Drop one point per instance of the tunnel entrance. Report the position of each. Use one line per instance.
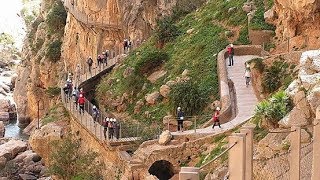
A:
(162, 169)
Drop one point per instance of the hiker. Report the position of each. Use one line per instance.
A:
(129, 45)
(110, 127)
(75, 95)
(81, 102)
(116, 129)
(99, 61)
(90, 63)
(81, 92)
(95, 114)
(125, 45)
(247, 74)
(105, 127)
(78, 73)
(230, 54)
(180, 116)
(69, 85)
(106, 56)
(66, 92)
(216, 119)
(70, 76)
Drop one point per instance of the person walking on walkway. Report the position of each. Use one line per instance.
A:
(247, 74)
(215, 118)
(125, 46)
(110, 127)
(180, 116)
(90, 63)
(81, 102)
(75, 95)
(105, 127)
(116, 129)
(99, 61)
(230, 54)
(95, 114)
(106, 56)
(66, 92)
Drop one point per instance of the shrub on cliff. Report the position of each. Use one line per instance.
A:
(68, 161)
(273, 109)
(56, 18)
(54, 51)
(190, 97)
(166, 30)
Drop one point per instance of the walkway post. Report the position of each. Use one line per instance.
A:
(237, 156)
(248, 130)
(316, 145)
(295, 148)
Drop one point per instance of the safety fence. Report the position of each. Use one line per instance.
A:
(240, 156)
(121, 132)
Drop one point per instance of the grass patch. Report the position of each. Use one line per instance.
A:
(56, 113)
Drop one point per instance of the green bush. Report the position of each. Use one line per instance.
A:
(276, 76)
(243, 36)
(150, 60)
(54, 51)
(258, 64)
(189, 97)
(184, 7)
(273, 109)
(258, 22)
(166, 30)
(56, 18)
(68, 161)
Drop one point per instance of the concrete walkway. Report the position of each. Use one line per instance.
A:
(246, 99)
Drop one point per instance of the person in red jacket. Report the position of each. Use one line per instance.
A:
(81, 102)
(216, 118)
(230, 54)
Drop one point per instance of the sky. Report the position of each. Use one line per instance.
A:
(10, 22)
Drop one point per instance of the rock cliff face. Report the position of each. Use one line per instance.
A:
(297, 20)
(37, 73)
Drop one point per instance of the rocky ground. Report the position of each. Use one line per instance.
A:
(17, 161)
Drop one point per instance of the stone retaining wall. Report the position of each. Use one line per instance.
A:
(225, 96)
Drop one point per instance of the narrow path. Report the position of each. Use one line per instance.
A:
(246, 99)
(84, 18)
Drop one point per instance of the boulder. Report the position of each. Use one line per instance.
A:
(171, 83)
(2, 129)
(127, 72)
(165, 90)
(156, 75)
(165, 137)
(11, 149)
(296, 117)
(228, 33)
(5, 105)
(232, 9)
(305, 137)
(269, 16)
(152, 98)
(4, 116)
(293, 88)
(185, 73)
(27, 177)
(190, 31)
(138, 106)
(3, 162)
(313, 98)
(248, 7)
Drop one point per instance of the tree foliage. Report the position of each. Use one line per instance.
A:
(54, 51)
(166, 30)
(189, 97)
(56, 18)
(70, 162)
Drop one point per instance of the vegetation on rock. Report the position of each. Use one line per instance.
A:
(70, 162)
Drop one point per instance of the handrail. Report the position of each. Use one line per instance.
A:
(217, 157)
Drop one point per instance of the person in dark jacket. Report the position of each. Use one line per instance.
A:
(230, 54)
(180, 115)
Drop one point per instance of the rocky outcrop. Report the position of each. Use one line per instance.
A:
(304, 91)
(2, 129)
(296, 19)
(41, 140)
(152, 98)
(16, 162)
(165, 137)
(7, 110)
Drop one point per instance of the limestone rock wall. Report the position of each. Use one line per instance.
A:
(36, 73)
(299, 20)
